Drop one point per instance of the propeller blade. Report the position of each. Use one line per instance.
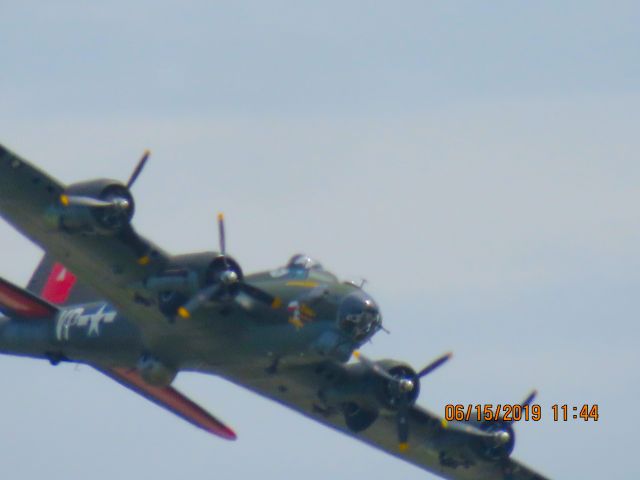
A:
(527, 401)
(374, 366)
(435, 364)
(257, 294)
(79, 201)
(402, 422)
(198, 300)
(223, 247)
(139, 167)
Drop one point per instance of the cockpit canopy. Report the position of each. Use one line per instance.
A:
(301, 261)
(303, 267)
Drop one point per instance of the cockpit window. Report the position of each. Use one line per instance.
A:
(303, 262)
(303, 267)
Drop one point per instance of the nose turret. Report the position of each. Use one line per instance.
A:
(359, 316)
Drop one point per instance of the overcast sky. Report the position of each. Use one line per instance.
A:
(477, 164)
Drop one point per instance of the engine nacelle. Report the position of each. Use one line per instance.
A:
(102, 207)
(187, 274)
(155, 372)
(361, 393)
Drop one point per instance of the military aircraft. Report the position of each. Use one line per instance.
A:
(105, 296)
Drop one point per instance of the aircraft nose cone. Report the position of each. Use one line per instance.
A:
(359, 316)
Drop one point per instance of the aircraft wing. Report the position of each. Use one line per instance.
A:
(110, 264)
(448, 453)
(170, 399)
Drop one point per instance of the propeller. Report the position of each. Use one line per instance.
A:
(374, 367)
(404, 389)
(435, 364)
(198, 300)
(221, 235)
(139, 167)
(229, 280)
(118, 202)
(527, 401)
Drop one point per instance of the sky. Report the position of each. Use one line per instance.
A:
(475, 163)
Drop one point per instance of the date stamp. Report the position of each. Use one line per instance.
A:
(513, 412)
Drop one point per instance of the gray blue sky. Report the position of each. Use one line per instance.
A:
(476, 163)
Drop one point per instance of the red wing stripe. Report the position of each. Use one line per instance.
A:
(16, 301)
(172, 400)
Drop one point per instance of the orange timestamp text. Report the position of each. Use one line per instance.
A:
(508, 412)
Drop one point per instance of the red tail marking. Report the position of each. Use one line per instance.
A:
(59, 285)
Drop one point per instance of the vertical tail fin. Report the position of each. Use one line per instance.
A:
(54, 283)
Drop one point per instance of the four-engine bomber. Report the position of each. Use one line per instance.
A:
(108, 297)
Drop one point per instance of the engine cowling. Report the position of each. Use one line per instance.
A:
(403, 389)
(104, 207)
